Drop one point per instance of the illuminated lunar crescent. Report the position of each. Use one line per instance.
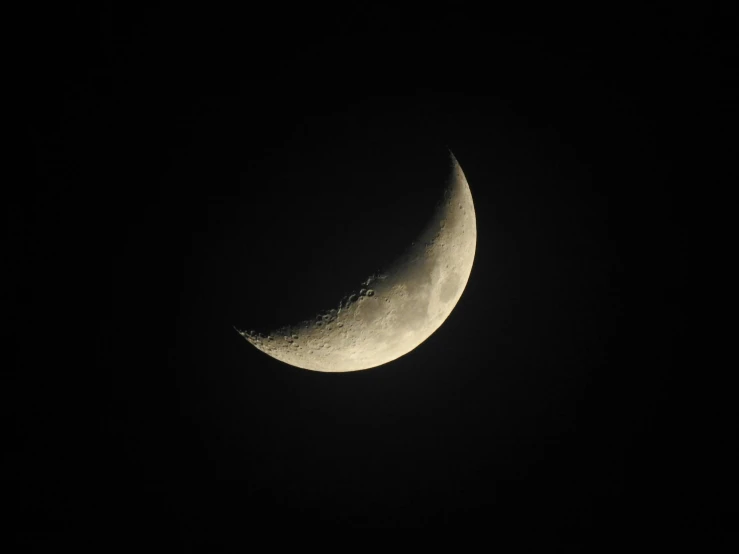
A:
(397, 309)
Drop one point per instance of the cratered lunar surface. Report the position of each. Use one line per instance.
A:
(396, 309)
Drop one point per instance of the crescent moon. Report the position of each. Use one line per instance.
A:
(395, 310)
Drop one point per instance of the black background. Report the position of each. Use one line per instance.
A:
(191, 170)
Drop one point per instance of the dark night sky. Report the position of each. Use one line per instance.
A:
(187, 172)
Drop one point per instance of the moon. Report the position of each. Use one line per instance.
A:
(395, 310)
